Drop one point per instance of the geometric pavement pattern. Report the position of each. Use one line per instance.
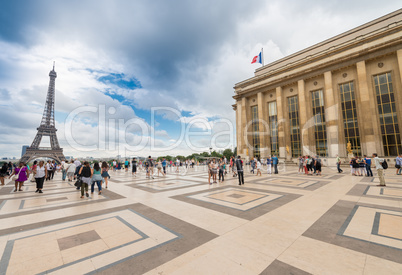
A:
(179, 224)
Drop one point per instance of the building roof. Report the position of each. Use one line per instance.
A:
(389, 23)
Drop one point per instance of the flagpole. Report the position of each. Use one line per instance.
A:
(262, 56)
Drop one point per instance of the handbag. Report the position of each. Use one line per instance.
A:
(15, 177)
(78, 183)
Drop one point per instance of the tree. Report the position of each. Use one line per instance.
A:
(215, 154)
(228, 153)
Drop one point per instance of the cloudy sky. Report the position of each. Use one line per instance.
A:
(148, 77)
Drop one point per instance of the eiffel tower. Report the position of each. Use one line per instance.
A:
(46, 128)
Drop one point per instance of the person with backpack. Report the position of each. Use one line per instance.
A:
(380, 165)
(86, 174)
(239, 168)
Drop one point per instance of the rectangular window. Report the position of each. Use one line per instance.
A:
(319, 123)
(387, 111)
(295, 141)
(255, 131)
(273, 127)
(349, 113)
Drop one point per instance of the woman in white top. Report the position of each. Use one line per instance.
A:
(40, 174)
(259, 167)
(159, 166)
(71, 170)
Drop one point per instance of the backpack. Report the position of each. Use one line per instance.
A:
(384, 164)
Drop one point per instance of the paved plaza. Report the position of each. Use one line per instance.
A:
(274, 224)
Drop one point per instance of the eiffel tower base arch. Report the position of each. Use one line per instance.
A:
(34, 153)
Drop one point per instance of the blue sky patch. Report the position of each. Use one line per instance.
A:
(121, 80)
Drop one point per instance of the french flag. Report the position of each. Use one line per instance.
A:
(257, 58)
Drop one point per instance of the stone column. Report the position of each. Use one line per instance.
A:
(399, 102)
(331, 116)
(262, 125)
(239, 129)
(304, 133)
(245, 130)
(281, 122)
(369, 127)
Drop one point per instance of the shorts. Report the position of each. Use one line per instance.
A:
(105, 174)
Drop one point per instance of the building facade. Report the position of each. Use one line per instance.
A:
(343, 91)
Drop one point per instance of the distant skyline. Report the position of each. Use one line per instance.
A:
(163, 66)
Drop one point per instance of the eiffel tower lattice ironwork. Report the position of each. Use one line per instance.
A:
(47, 128)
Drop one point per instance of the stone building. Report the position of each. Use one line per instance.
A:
(346, 89)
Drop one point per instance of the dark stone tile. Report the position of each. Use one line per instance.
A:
(281, 268)
(192, 237)
(328, 229)
(78, 239)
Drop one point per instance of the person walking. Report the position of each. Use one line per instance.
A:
(150, 167)
(78, 166)
(96, 178)
(71, 171)
(214, 167)
(40, 175)
(380, 170)
(105, 172)
(239, 168)
(367, 162)
(222, 168)
(3, 172)
(338, 164)
(10, 168)
(126, 163)
(275, 163)
(22, 175)
(134, 167)
(49, 168)
(54, 165)
(159, 167)
(35, 164)
(164, 166)
(398, 163)
(269, 165)
(258, 165)
(252, 163)
(63, 170)
(86, 175)
(356, 166)
(362, 167)
(317, 164)
(301, 164)
(209, 167)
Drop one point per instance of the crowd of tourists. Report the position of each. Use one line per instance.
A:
(86, 174)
